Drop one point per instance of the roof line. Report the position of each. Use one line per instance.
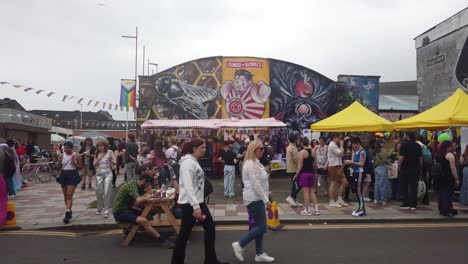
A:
(440, 23)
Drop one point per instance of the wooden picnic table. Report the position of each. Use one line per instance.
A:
(156, 203)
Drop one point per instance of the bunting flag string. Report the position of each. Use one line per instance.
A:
(127, 105)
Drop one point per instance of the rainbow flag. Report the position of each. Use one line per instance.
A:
(128, 93)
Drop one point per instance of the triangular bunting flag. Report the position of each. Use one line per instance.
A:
(28, 89)
(79, 101)
(17, 85)
(90, 101)
(64, 98)
(96, 104)
(50, 94)
(40, 91)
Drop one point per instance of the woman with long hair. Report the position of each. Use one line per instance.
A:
(192, 203)
(70, 162)
(103, 162)
(157, 159)
(255, 194)
(114, 167)
(87, 152)
(306, 168)
(446, 182)
(464, 187)
(381, 164)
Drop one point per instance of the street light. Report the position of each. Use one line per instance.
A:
(154, 64)
(136, 68)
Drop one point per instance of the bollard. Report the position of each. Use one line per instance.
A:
(11, 217)
(273, 221)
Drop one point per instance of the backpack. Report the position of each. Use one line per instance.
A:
(9, 167)
(427, 156)
(268, 155)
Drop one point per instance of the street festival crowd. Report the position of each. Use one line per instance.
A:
(375, 169)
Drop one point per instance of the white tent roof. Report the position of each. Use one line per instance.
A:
(212, 123)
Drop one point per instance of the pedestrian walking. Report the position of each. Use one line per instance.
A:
(307, 177)
(409, 165)
(357, 163)
(87, 152)
(191, 201)
(230, 159)
(69, 177)
(104, 159)
(335, 170)
(292, 157)
(381, 165)
(448, 178)
(255, 196)
(464, 187)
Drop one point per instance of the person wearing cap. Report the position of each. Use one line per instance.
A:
(381, 164)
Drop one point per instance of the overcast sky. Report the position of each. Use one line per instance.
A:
(75, 46)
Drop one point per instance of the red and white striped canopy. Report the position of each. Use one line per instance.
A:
(213, 123)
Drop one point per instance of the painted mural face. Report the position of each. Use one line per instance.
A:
(244, 98)
(300, 96)
(183, 99)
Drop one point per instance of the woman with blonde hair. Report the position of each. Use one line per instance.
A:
(103, 162)
(255, 194)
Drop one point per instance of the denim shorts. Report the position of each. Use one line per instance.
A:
(69, 178)
(126, 217)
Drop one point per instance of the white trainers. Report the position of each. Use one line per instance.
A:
(358, 213)
(98, 212)
(106, 214)
(238, 251)
(306, 212)
(367, 199)
(375, 201)
(316, 212)
(341, 202)
(291, 201)
(335, 204)
(264, 258)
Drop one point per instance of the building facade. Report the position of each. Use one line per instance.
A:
(442, 60)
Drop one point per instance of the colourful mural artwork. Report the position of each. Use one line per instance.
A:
(186, 91)
(249, 88)
(245, 90)
(461, 71)
(364, 89)
(299, 96)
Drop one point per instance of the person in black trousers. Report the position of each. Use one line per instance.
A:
(191, 201)
(409, 164)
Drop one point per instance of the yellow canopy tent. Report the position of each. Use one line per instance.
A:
(451, 112)
(354, 118)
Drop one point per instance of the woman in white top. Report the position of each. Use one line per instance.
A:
(103, 162)
(255, 196)
(69, 178)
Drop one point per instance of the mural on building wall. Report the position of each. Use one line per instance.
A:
(364, 89)
(300, 96)
(245, 90)
(461, 72)
(187, 91)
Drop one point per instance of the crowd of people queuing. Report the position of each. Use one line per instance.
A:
(375, 170)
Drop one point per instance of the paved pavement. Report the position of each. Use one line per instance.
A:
(41, 206)
(343, 244)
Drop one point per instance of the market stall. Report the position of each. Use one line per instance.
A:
(354, 118)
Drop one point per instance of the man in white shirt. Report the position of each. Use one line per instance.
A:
(335, 171)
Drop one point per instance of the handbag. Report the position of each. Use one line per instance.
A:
(421, 188)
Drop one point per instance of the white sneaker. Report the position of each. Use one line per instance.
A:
(335, 204)
(342, 203)
(98, 212)
(264, 258)
(298, 204)
(384, 203)
(367, 199)
(291, 201)
(238, 251)
(376, 202)
(358, 213)
(106, 214)
(316, 212)
(305, 212)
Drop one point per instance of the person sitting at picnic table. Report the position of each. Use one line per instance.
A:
(128, 197)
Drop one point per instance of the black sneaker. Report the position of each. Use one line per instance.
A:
(90, 187)
(83, 187)
(404, 207)
(67, 217)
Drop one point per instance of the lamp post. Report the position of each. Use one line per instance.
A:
(154, 64)
(136, 73)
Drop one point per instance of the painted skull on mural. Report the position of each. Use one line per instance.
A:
(301, 96)
(180, 100)
(244, 98)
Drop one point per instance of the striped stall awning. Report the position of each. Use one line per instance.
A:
(213, 123)
(183, 123)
